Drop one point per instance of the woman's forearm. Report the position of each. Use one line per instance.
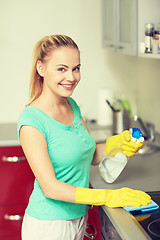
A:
(62, 191)
(99, 153)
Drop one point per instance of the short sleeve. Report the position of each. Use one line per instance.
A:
(74, 106)
(28, 118)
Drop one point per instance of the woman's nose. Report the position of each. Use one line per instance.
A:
(70, 76)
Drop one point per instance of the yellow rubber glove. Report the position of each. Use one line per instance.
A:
(112, 198)
(123, 141)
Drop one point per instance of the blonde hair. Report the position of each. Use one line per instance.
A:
(43, 49)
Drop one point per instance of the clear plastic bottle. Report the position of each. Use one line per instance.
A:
(155, 42)
(113, 164)
(149, 29)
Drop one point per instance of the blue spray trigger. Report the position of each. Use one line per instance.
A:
(136, 133)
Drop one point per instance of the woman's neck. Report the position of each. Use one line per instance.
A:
(49, 101)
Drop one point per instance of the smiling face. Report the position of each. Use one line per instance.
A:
(61, 72)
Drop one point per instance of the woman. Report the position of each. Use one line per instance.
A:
(60, 149)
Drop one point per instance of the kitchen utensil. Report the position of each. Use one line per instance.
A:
(121, 119)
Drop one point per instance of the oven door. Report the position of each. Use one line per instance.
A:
(107, 231)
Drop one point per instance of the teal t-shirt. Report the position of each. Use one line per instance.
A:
(71, 152)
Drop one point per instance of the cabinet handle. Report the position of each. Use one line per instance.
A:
(120, 47)
(91, 206)
(111, 45)
(90, 235)
(13, 159)
(13, 217)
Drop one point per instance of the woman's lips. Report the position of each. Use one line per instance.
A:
(67, 86)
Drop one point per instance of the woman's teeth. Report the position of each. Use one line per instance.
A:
(68, 86)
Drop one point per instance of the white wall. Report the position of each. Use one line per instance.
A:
(149, 90)
(24, 22)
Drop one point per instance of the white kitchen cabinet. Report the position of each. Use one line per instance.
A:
(120, 25)
(123, 25)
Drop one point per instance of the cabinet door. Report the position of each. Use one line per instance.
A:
(11, 221)
(108, 18)
(127, 14)
(16, 177)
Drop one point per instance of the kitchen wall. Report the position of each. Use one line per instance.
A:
(139, 78)
(23, 23)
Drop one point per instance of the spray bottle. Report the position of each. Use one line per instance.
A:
(113, 164)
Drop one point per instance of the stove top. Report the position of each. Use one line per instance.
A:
(151, 221)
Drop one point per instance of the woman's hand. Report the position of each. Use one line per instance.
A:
(123, 141)
(122, 197)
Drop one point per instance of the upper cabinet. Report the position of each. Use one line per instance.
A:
(109, 24)
(119, 25)
(124, 25)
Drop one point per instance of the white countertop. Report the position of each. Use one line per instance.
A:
(8, 134)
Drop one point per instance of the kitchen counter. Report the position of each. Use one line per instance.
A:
(8, 134)
(9, 137)
(142, 173)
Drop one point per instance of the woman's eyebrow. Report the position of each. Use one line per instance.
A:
(63, 65)
(77, 65)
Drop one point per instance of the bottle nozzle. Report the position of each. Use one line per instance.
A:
(136, 135)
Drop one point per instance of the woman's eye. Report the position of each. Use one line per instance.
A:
(61, 69)
(76, 69)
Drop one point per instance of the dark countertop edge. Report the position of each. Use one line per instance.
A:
(126, 226)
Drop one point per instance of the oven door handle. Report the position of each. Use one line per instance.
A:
(13, 217)
(13, 159)
(90, 235)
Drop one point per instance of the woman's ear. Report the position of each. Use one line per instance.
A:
(40, 68)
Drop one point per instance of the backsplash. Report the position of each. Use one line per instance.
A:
(138, 78)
